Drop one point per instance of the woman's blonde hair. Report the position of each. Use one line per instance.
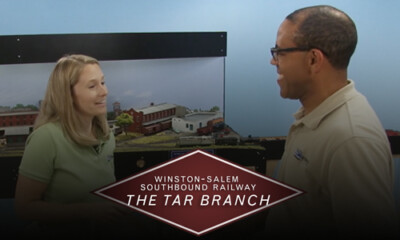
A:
(58, 105)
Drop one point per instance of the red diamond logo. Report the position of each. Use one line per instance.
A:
(198, 192)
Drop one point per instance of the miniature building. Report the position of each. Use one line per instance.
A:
(113, 127)
(193, 121)
(15, 126)
(117, 108)
(154, 118)
(16, 135)
(20, 118)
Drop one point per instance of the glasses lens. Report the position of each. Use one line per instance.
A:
(274, 53)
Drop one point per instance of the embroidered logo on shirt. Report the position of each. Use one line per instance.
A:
(299, 155)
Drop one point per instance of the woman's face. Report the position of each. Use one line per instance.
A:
(90, 92)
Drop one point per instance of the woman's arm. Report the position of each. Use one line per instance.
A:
(30, 205)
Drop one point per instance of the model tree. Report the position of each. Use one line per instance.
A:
(124, 120)
(214, 109)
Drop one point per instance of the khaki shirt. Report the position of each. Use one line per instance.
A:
(340, 156)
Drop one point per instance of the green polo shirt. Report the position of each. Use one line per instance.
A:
(70, 171)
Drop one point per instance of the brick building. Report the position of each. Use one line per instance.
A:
(17, 118)
(15, 126)
(154, 118)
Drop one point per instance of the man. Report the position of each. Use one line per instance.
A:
(336, 151)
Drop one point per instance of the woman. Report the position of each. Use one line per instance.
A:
(70, 152)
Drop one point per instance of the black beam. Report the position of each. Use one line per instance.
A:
(16, 49)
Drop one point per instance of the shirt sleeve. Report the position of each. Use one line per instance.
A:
(38, 159)
(360, 183)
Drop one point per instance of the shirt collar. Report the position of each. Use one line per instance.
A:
(314, 118)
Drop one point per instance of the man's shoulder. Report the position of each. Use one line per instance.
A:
(362, 118)
(355, 119)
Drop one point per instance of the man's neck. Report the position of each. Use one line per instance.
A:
(321, 91)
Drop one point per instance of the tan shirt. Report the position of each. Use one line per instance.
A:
(340, 156)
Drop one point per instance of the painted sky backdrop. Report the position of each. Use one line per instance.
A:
(252, 102)
(195, 83)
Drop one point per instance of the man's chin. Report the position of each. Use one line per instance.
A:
(283, 95)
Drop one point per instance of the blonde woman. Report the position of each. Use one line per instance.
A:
(70, 152)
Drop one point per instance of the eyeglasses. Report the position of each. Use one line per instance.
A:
(275, 51)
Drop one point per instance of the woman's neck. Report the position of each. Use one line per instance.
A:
(86, 127)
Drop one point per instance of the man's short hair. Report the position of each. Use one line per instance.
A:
(328, 29)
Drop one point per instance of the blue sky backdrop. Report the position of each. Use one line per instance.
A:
(133, 83)
(252, 102)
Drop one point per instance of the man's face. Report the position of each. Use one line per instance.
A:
(293, 73)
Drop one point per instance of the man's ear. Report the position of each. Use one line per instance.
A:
(316, 59)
